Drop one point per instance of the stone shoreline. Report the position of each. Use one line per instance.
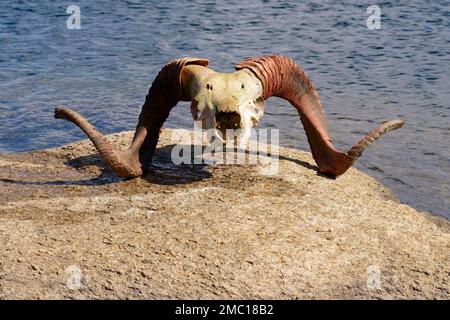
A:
(209, 232)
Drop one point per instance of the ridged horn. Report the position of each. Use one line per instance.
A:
(121, 162)
(282, 77)
(164, 94)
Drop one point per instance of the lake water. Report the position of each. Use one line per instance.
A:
(363, 76)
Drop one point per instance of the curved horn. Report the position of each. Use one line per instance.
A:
(282, 77)
(120, 161)
(164, 94)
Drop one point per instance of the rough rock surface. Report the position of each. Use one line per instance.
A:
(223, 231)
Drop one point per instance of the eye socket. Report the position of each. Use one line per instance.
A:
(242, 86)
(209, 86)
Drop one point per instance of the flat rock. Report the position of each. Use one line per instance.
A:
(209, 231)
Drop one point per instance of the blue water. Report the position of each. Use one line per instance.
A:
(363, 76)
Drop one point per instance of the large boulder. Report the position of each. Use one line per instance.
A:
(199, 231)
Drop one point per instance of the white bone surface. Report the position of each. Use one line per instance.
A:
(212, 92)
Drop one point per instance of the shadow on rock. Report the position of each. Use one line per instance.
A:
(161, 171)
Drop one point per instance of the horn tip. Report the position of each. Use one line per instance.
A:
(394, 124)
(60, 112)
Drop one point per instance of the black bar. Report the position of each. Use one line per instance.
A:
(224, 309)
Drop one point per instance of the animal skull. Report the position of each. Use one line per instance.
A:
(221, 101)
(225, 101)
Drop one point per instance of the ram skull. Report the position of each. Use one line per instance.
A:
(221, 101)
